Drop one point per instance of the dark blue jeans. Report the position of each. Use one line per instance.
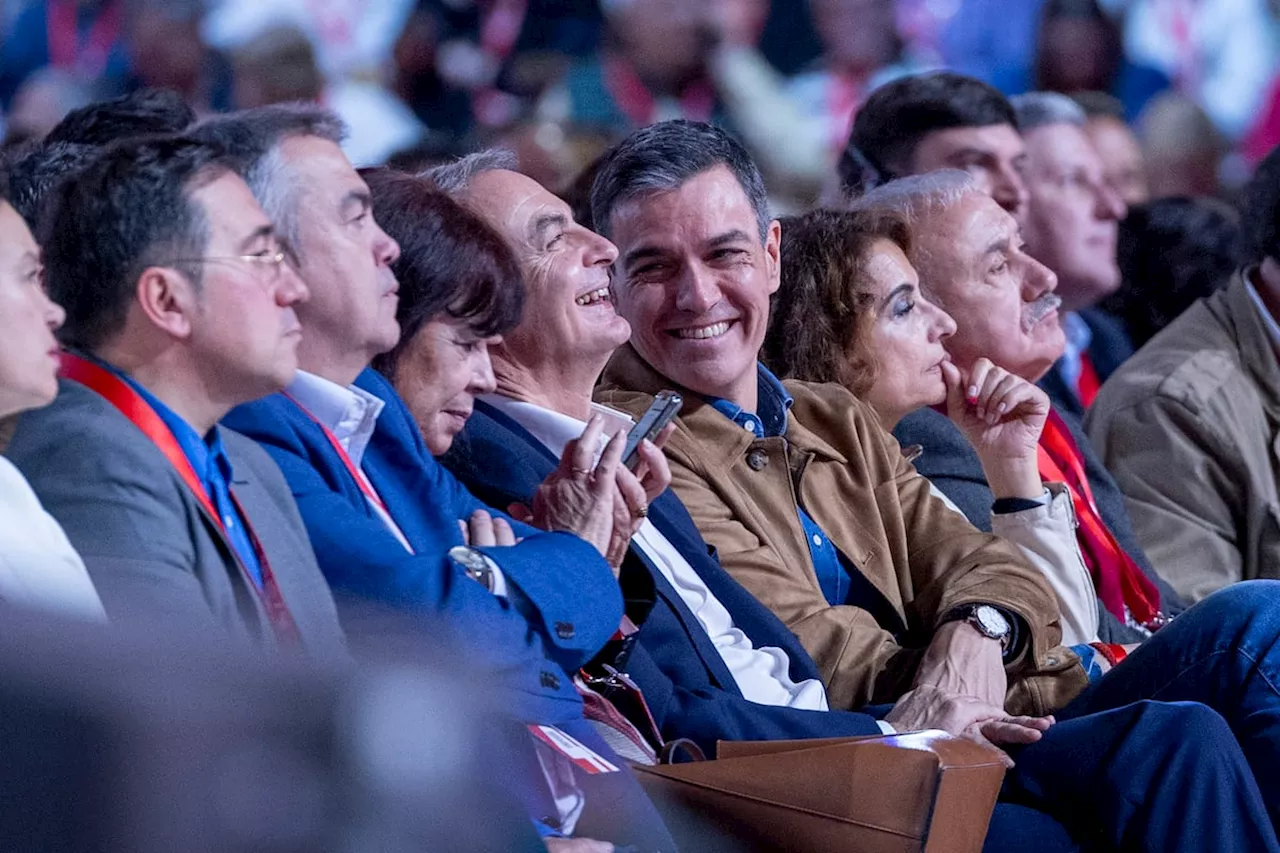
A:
(1225, 653)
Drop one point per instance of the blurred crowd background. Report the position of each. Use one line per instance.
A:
(1186, 91)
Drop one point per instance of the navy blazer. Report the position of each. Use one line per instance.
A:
(1108, 349)
(950, 462)
(563, 602)
(686, 683)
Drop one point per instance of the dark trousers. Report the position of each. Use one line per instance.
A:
(1148, 776)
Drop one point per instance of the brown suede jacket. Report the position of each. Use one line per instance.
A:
(849, 475)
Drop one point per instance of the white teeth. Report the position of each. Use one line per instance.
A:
(595, 296)
(701, 333)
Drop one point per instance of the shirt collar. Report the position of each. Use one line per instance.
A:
(552, 428)
(350, 413)
(1273, 328)
(1077, 333)
(772, 401)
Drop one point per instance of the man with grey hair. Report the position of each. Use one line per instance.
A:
(1071, 227)
(390, 525)
(812, 507)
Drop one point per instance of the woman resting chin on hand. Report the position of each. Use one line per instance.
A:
(850, 310)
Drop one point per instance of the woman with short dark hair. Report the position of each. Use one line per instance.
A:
(460, 290)
(849, 310)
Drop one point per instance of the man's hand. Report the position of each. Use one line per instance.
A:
(928, 707)
(1002, 416)
(577, 845)
(962, 661)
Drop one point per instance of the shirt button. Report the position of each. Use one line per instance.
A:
(564, 630)
(749, 426)
(757, 459)
(817, 540)
(229, 521)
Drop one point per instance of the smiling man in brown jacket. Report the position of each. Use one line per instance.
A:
(812, 507)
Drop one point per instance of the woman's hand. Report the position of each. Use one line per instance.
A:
(1002, 416)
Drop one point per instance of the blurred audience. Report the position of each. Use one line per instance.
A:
(1070, 226)
(83, 38)
(1188, 426)
(38, 567)
(1077, 48)
(1182, 148)
(1172, 252)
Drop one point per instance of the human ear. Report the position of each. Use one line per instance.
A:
(166, 298)
(773, 254)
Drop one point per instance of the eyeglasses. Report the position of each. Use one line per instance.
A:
(271, 262)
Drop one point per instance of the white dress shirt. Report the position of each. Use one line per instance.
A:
(38, 567)
(762, 674)
(351, 414)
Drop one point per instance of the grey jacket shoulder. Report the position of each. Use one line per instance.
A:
(152, 552)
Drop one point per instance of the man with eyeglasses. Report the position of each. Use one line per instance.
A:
(180, 305)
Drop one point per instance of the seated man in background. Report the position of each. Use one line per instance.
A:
(1188, 426)
(971, 263)
(787, 482)
(179, 306)
(1070, 226)
(385, 518)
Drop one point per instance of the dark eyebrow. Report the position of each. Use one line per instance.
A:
(999, 244)
(544, 223)
(359, 198)
(966, 153)
(905, 287)
(642, 253)
(734, 236)
(260, 233)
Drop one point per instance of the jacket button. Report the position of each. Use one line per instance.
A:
(757, 459)
(549, 680)
(564, 630)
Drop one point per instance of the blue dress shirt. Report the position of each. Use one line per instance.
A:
(773, 401)
(209, 460)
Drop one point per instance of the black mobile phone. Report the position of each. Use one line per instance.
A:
(664, 408)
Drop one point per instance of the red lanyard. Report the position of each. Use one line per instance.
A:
(65, 50)
(355, 472)
(130, 404)
(1120, 582)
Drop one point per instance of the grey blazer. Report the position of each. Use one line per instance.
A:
(152, 550)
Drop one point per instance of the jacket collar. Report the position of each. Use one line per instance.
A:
(721, 442)
(1236, 309)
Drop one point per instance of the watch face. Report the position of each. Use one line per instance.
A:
(992, 622)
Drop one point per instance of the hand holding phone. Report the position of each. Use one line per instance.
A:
(661, 412)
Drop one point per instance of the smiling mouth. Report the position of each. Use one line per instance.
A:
(702, 333)
(594, 297)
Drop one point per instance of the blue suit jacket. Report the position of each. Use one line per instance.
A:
(690, 691)
(563, 604)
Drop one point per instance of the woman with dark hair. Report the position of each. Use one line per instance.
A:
(38, 566)
(850, 311)
(460, 290)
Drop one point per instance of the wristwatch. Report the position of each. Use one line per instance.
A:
(476, 564)
(989, 621)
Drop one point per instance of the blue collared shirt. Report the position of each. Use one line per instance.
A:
(1078, 337)
(209, 460)
(773, 403)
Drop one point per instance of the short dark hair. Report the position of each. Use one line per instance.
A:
(821, 314)
(1262, 208)
(896, 116)
(35, 170)
(1100, 105)
(252, 138)
(129, 209)
(665, 156)
(1171, 252)
(451, 262)
(148, 111)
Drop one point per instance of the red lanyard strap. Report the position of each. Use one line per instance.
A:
(63, 31)
(1119, 580)
(365, 487)
(131, 404)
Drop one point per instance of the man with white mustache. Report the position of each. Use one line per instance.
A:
(972, 262)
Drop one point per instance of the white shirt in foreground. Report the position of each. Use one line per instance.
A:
(38, 567)
(762, 674)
